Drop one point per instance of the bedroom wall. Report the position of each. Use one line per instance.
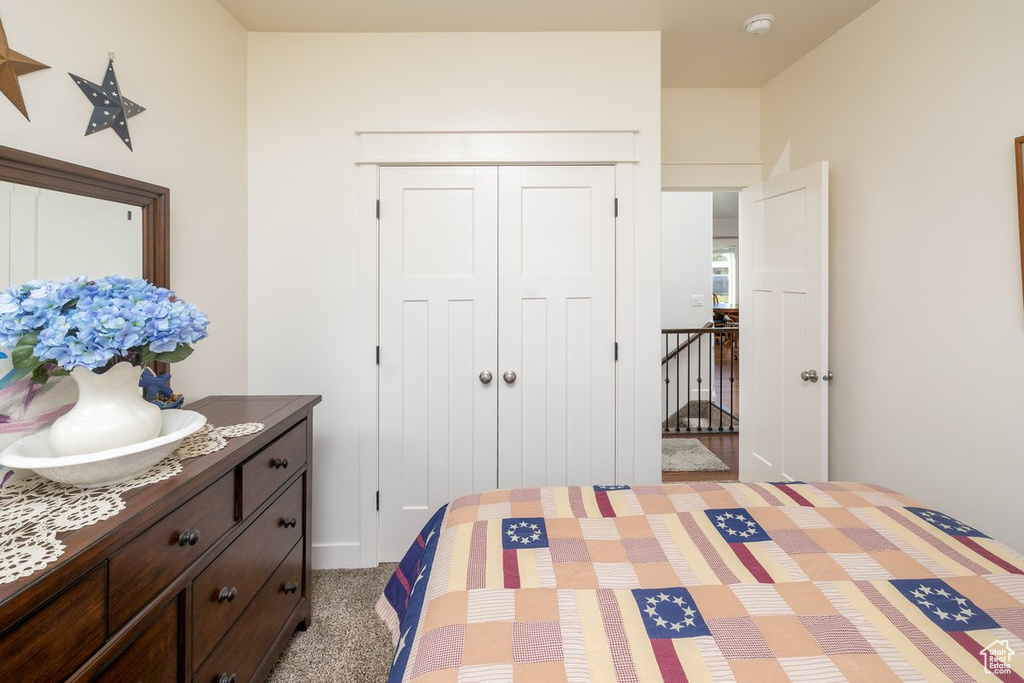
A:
(185, 61)
(711, 137)
(308, 95)
(915, 105)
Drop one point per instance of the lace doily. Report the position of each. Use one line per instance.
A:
(34, 510)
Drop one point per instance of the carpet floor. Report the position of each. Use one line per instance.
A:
(346, 641)
(700, 414)
(689, 455)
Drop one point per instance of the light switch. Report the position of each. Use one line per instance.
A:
(698, 300)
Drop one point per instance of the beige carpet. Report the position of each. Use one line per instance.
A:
(346, 642)
(689, 455)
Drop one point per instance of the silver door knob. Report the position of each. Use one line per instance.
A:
(509, 377)
(486, 377)
(827, 377)
(809, 375)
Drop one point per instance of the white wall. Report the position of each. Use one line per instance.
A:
(686, 232)
(711, 137)
(185, 62)
(308, 95)
(915, 105)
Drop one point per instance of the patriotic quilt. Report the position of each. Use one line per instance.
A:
(704, 582)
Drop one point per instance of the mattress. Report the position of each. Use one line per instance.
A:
(703, 581)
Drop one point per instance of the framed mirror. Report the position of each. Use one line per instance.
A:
(1018, 150)
(59, 210)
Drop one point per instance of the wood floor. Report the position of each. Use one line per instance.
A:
(725, 446)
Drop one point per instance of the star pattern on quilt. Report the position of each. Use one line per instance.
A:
(947, 608)
(943, 522)
(523, 532)
(736, 525)
(611, 487)
(669, 613)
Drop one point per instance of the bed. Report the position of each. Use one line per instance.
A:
(691, 582)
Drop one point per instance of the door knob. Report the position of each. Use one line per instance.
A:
(809, 375)
(486, 377)
(509, 377)
(827, 377)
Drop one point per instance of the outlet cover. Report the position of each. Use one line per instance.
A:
(697, 300)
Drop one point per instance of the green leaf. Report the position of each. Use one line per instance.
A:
(182, 352)
(23, 356)
(40, 374)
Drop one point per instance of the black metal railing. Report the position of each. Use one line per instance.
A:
(701, 361)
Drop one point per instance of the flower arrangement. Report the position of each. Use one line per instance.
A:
(54, 327)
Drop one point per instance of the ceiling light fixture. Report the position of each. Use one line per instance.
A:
(758, 25)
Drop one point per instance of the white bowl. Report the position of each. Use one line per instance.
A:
(103, 467)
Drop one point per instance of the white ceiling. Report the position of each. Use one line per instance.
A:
(703, 41)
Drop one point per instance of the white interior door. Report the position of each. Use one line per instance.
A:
(438, 333)
(556, 326)
(784, 340)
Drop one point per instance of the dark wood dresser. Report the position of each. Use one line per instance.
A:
(202, 577)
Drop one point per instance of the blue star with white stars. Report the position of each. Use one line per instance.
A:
(947, 608)
(518, 533)
(736, 525)
(111, 109)
(943, 522)
(669, 613)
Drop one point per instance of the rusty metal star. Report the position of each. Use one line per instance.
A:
(12, 65)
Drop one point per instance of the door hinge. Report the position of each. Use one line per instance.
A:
(378, 500)
(378, 209)
(616, 207)
(378, 355)
(616, 350)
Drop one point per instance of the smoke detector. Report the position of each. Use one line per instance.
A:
(758, 25)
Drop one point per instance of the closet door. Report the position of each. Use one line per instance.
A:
(438, 333)
(556, 418)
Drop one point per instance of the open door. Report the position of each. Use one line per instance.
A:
(784, 342)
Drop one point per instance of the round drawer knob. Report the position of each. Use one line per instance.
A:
(289, 522)
(188, 537)
(227, 594)
(281, 463)
(227, 678)
(291, 587)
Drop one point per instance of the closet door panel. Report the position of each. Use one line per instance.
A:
(556, 325)
(438, 332)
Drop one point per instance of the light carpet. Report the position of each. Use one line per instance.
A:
(346, 641)
(689, 455)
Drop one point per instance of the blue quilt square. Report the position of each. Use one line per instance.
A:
(737, 525)
(518, 533)
(669, 613)
(943, 522)
(611, 487)
(947, 608)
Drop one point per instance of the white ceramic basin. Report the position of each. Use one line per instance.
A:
(103, 467)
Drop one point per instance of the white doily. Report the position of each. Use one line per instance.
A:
(34, 510)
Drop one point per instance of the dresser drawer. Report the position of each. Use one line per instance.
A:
(267, 470)
(155, 656)
(246, 645)
(147, 565)
(52, 642)
(226, 587)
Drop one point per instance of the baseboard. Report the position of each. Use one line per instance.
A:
(335, 555)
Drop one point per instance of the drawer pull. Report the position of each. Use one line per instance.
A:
(290, 587)
(188, 537)
(289, 522)
(281, 463)
(227, 678)
(227, 594)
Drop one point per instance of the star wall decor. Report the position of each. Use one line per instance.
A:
(12, 65)
(111, 109)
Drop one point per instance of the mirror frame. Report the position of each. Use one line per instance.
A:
(25, 168)
(1018, 153)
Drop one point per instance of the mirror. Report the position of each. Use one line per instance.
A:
(67, 220)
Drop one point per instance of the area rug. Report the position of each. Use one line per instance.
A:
(689, 455)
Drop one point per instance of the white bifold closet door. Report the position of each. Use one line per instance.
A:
(504, 272)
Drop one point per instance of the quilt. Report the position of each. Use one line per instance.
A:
(703, 582)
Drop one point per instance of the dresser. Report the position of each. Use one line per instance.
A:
(202, 577)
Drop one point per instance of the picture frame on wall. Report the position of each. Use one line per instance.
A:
(1018, 151)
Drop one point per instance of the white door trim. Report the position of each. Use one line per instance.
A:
(573, 147)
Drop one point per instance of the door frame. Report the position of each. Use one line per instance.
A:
(483, 148)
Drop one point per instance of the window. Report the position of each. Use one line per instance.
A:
(724, 275)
